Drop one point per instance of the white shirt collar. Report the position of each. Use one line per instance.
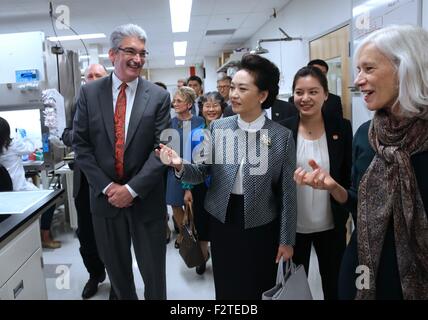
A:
(117, 82)
(253, 126)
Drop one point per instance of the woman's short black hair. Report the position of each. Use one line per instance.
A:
(266, 76)
(313, 72)
(5, 139)
(213, 95)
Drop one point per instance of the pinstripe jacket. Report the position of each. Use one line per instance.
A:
(269, 188)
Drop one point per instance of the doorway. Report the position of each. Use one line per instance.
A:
(333, 47)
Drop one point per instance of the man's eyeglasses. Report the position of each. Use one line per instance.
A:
(223, 87)
(131, 52)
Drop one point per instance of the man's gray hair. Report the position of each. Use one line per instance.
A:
(126, 30)
(405, 47)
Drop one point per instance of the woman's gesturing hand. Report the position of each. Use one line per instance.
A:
(169, 157)
(317, 179)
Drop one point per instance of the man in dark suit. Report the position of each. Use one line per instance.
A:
(223, 87)
(333, 105)
(117, 126)
(85, 231)
(282, 110)
(195, 83)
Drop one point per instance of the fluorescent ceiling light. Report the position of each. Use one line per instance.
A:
(180, 62)
(180, 15)
(110, 68)
(180, 48)
(84, 56)
(81, 36)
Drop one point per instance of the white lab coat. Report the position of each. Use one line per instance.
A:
(11, 160)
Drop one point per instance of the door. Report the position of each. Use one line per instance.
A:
(334, 49)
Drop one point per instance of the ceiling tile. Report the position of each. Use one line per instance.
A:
(90, 16)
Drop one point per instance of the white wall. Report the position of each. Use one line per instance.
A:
(300, 18)
(210, 82)
(425, 14)
(170, 76)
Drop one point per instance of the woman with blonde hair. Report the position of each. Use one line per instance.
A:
(183, 124)
(212, 105)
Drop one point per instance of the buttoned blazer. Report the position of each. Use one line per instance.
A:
(67, 139)
(93, 142)
(269, 189)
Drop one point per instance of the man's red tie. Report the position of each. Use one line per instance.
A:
(119, 130)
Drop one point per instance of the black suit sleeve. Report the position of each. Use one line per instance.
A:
(67, 135)
(347, 163)
(85, 157)
(333, 105)
(228, 111)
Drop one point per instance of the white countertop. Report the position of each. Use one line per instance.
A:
(17, 202)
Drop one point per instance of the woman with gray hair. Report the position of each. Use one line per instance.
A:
(183, 124)
(387, 257)
(212, 105)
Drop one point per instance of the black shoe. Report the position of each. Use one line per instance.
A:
(176, 228)
(112, 295)
(168, 235)
(91, 287)
(201, 269)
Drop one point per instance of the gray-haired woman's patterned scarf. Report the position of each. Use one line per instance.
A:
(389, 190)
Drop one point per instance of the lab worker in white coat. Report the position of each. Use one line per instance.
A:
(11, 152)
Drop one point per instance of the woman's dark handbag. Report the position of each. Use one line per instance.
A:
(190, 249)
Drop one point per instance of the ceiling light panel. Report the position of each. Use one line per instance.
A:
(180, 48)
(75, 37)
(180, 15)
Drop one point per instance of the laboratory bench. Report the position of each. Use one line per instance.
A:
(21, 271)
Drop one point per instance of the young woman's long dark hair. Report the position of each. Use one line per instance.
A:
(5, 139)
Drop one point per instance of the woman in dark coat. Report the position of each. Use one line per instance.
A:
(387, 257)
(326, 138)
